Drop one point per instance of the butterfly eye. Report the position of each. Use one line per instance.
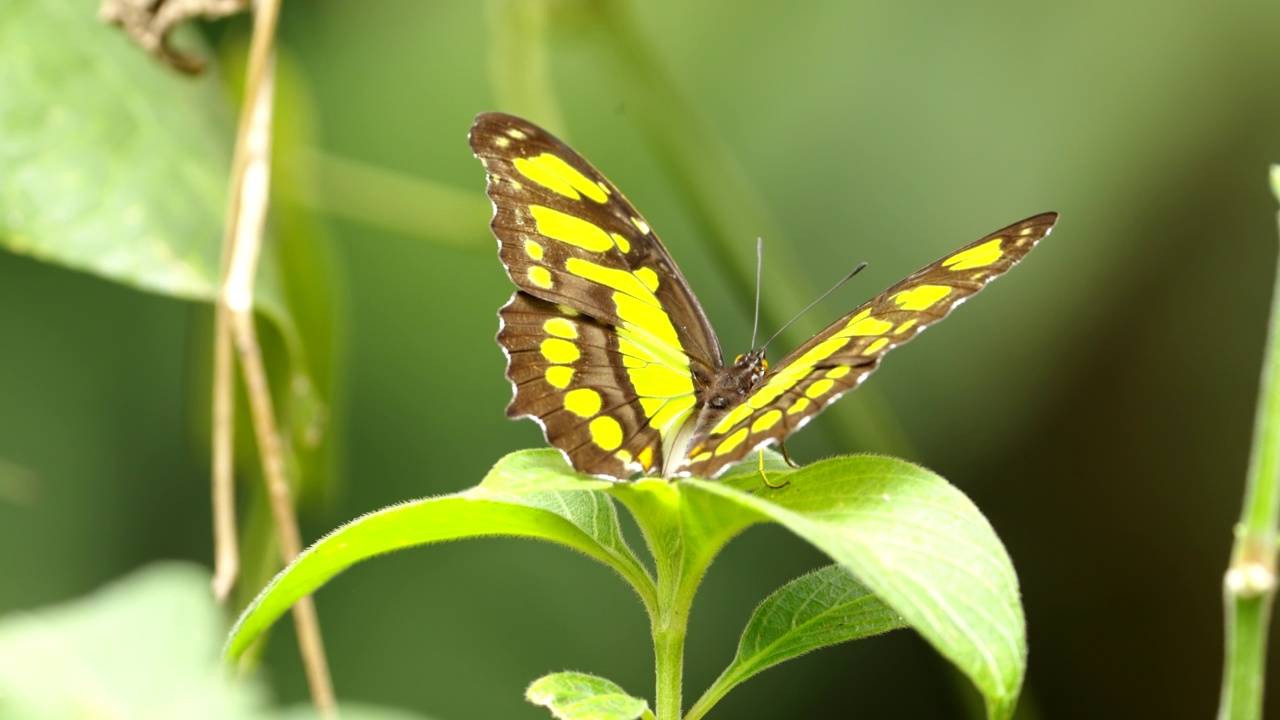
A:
(764, 364)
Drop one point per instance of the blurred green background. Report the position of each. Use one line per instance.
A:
(1097, 404)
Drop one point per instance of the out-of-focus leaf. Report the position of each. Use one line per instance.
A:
(143, 647)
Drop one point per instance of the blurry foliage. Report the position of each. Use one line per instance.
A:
(1096, 404)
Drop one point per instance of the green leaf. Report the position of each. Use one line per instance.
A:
(822, 608)
(527, 494)
(915, 541)
(145, 646)
(578, 696)
(115, 165)
(109, 162)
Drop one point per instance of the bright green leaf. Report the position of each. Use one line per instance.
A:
(578, 696)
(919, 544)
(822, 608)
(522, 496)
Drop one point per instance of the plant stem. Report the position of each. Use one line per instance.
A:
(1250, 583)
(668, 652)
(247, 204)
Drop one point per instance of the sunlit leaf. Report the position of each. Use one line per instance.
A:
(822, 608)
(522, 496)
(578, 696)
(919, 544)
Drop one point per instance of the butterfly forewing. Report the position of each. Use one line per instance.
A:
(840, 357)
(609, 396)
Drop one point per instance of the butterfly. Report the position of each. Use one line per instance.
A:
(609, 351)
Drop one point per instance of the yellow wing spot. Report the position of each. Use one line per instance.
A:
(543, 177)
(648, 277)
(533, 249)
(603, 188)
(701, 457)
(560, 352)
(583, 402)
(567, 311)
(560, 327)
(539, 276)
(798, 406)
(977, 256)
(569, 229)
(873, 348)
(665, 413)
(836, 373)
(641, 225)
(864, 325)
(734, 417)
(820, 388)
(731, 442)
(606, 433)
(623, 244)
(905, 326)
(920, 298)
(766, 421)
(553, 173)
(623, 281)
(645, 458)
(559, 376)
(517, 133)
(624, 456)
(502, 142)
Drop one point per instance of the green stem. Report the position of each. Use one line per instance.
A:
(1250, 586)
(668, 652)
(518, 70)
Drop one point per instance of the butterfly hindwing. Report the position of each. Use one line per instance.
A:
(563, 368)
(840, 357)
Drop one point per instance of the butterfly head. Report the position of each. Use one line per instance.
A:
(736, 381)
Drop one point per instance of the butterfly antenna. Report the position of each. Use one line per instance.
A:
(800, 314)
(755, 325)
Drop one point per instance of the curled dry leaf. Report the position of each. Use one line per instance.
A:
(148, 22)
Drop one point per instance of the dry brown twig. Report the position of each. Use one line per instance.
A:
(149, 23)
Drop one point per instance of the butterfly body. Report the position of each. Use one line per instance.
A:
(610, 352)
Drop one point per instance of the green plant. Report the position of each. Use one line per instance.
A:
(909, 549)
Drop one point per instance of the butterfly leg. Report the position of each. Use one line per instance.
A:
(765, 476)
(783, 447)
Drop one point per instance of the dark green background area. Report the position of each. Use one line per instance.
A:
(1096, 404)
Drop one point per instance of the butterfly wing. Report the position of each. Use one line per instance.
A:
(840, 357)
(607, 346)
